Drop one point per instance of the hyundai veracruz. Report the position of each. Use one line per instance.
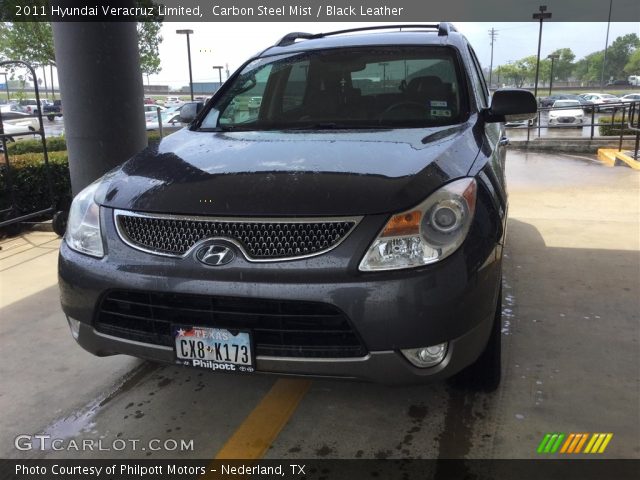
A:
(337, 209)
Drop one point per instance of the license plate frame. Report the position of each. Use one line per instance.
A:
(204, 347)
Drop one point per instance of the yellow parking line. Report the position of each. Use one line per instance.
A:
(254, 436)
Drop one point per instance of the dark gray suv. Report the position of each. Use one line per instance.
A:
(337, 209)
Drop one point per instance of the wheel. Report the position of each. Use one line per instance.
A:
(59, 222)
(485, 374)
(51, 118)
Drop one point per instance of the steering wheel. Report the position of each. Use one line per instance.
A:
(417, 110)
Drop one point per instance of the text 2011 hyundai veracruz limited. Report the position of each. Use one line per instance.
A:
(337, 209)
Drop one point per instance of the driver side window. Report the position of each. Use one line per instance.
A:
(245, 107)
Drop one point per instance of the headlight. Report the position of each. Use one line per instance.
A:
(427, 233)
(553, 114)
(83, 227)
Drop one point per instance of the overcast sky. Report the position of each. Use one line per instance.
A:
(232, 43)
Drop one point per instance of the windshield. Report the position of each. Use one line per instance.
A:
(343, 88)
(567, 103)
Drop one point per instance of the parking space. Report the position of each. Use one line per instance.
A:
(571, 346)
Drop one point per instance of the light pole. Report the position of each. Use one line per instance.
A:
(606, 44)
(542, 15)
(493, 33)
(187, 33)
(553, 56)
(219, 68)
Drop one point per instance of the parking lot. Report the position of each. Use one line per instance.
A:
(571, 355)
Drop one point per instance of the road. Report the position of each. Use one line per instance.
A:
(570, 333)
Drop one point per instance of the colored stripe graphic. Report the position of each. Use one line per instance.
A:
(573, 443)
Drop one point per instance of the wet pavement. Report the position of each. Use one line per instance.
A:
(570, 336)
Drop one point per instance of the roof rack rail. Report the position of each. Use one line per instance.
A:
(443, 28)
(290, 38)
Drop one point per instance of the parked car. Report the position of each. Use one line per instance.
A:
(15, 122)
(172, 101)
(630, 98)
(148, 108)
(12, 107)
(349, 236)
(618, 83)
(547, 102)
(566, 113)
(31, 105)
(169, 119)
(601, 101)
(52, 110)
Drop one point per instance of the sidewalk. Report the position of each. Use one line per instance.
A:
(27, 265)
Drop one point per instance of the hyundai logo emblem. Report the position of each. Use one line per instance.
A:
(215, 255)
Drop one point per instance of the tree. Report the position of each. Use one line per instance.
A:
(618, 55)
(33, 43)
(633, 65)
(563, 65)
(28, 41)
(149, 40)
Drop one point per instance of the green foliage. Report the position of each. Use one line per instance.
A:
(614, 129)
(618, 55)
(149, 40)
(54, 144)
(29, 181)
(563, 65)
(633, 65)
(31, 42)
(622, 59)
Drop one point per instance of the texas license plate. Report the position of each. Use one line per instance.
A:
(214, 348)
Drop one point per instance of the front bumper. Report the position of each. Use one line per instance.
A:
(452, 301)
(388, 367)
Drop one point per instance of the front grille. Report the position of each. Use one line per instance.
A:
(279, 328)
(259, 239)
(567, 119)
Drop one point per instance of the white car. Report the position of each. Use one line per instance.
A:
(150, 108)
(170, 118)
(631, 97)
(600, 100)
(567, 113)
(18, 122)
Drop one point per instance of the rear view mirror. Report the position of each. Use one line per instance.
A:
(189, 111)
(511, 105)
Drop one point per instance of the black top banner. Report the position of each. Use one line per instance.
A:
(319, 10)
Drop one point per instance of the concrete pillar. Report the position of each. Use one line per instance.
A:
(102, 95)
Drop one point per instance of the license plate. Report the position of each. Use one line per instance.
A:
(213, 348)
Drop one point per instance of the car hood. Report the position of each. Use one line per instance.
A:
(276, 173)
(567, 112)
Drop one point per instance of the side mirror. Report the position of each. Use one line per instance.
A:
(189, 111)
(511, 105)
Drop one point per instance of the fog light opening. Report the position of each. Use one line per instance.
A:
(74, 325)
(425, 357)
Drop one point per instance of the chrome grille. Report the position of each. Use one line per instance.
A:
(260, 240)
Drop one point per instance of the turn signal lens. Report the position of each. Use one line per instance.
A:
(403, 224)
